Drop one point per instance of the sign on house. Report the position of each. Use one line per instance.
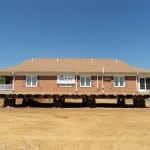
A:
(65, 79)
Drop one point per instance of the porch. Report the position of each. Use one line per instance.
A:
(6, 83)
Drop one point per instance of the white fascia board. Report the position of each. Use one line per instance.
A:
(75, 73)
(121, 73)
(144, 75)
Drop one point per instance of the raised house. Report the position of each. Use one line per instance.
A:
(85, 78)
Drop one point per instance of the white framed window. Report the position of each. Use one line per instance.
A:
(119, 81)
(31, 81)
(85, 81)
(144, 83)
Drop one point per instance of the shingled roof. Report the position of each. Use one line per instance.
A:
(80, 65)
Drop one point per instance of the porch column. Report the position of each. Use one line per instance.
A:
(13, 83)
(103, 82)
(76, 82)
(97, 83)
(137, 85)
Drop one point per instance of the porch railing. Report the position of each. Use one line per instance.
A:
(6, 87)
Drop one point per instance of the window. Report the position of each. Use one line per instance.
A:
(2, 80)
(119, 81)
(147, 83)
(85, 81)
(31, 81)
(144, 84)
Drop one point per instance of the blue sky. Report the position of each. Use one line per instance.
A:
(75, 28)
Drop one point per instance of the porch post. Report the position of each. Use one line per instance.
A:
(137, 85)
(103, 82)
(76, 82)
(97, 83)
(13, 82)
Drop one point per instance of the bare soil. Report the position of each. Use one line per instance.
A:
(74, 128)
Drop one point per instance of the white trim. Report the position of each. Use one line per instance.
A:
(137, 83)
(6, 87)
(85, 76)
(145, 84)
(103, 84)
(31, 81)
(119, 86)
(142, 90)
(13, 83)
(103, 70)
(97, 83)
(76, 82)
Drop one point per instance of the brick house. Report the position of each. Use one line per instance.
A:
(71, 76)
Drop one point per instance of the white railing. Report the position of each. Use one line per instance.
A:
(6, 87)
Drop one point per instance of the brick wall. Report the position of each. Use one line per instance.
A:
(48, 84)
(130, 85)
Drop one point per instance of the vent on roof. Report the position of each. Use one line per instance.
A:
(116, 60)
(32, 59)
(57, 60)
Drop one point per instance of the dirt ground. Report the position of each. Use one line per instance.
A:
(75, 128)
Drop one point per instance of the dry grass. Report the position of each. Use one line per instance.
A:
(75, 129)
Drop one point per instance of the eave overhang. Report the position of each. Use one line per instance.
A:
(50, 73)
